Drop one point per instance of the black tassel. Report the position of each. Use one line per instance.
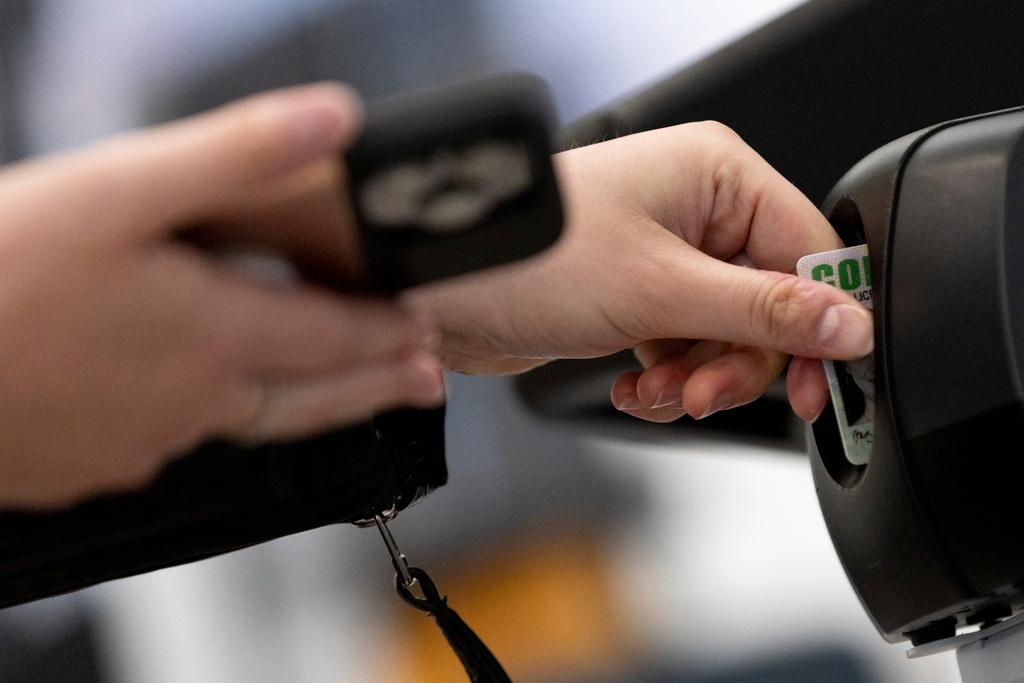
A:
(481, 666)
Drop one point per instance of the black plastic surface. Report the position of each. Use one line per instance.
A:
(419, 129)
(878, 533)
(220, 498)
(926, 531)
(958, 237)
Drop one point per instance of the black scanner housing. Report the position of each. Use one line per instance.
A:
(929, 531)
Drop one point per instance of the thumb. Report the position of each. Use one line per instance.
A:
(181, 171)
(768, 309)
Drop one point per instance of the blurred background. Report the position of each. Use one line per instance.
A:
(585, 550)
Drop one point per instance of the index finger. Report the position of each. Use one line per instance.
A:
(756, 210)
(786, 225)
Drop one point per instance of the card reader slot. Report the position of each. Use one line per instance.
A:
(846, 219)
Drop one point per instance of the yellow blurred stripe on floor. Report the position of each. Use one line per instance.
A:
(544, 605)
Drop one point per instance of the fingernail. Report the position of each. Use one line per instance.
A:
(846, 330)
(320, 116)
(670, 395)
(819, 411)
(721, 402)
(629, 403)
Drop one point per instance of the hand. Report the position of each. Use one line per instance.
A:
(679, 245)
(122, 346)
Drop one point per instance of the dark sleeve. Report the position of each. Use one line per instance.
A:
(220, 498)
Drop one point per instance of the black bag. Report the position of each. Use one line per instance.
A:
(221, 498)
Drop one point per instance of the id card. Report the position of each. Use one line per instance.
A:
(850, 383)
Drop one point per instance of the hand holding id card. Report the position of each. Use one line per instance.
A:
(850, 383)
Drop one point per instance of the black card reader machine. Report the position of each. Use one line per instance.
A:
(930, 530)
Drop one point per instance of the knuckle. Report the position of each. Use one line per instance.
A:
(733, 204)
(717, 131)
(779, 305)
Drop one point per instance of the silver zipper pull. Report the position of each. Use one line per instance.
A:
(479, 662)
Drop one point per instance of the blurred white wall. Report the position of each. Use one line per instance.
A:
(95, 62)
(592, 51)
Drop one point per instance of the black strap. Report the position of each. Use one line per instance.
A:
(481, 666)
